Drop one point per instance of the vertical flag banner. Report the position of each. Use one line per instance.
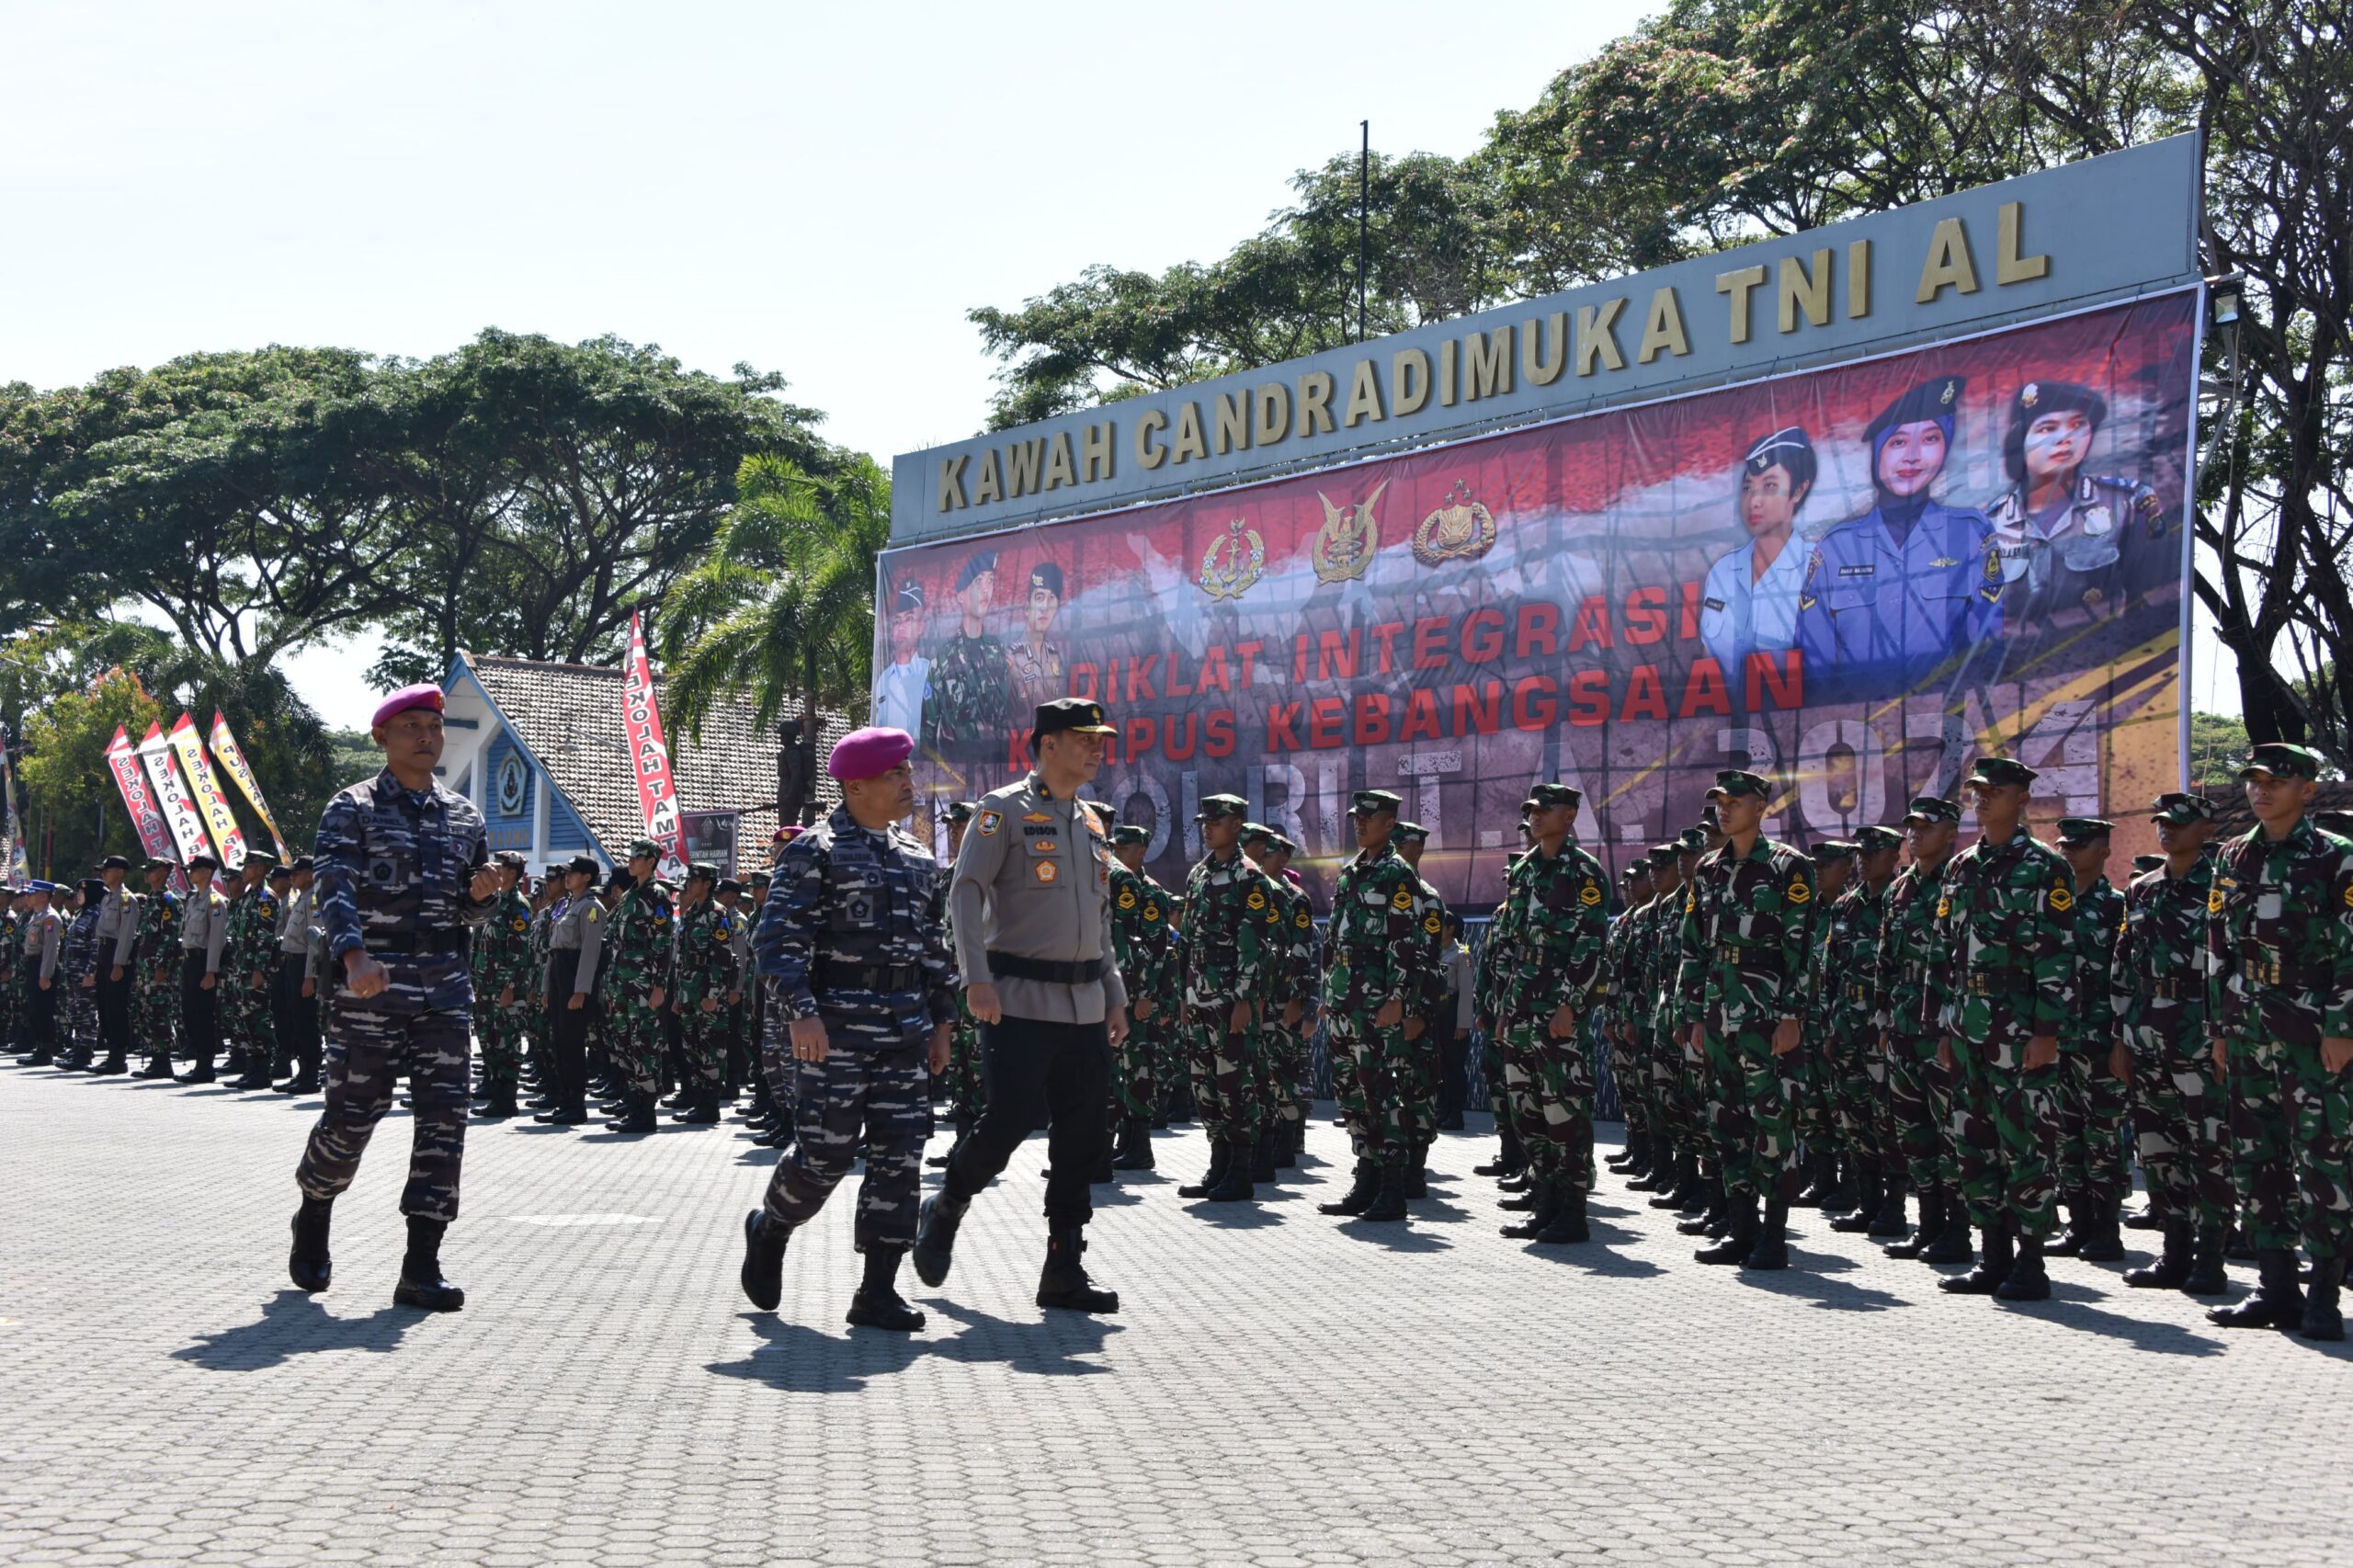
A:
(222, 823)
(172, 797)
(17, 870)
(146, 816)
(232, 758)
(657, 792)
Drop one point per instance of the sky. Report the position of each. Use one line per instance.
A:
(822, 191)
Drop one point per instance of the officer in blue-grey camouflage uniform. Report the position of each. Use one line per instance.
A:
(854, 936)
(403, 869)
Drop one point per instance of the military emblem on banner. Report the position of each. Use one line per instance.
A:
(1462, 530)
(1233, 560)
(1349, 540)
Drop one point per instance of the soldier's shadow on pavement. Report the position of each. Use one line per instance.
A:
(291, 1324)
(1811, 1277)
(2070, 1306)
(800, 1358)
(1251, 1216)
(1602, 1255)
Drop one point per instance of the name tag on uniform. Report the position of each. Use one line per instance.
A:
(1713, 604)
(1864, 571)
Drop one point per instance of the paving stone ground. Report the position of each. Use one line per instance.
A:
(1279, 1390)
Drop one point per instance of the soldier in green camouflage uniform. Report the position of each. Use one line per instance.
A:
(1698, 1183)
(1233, 940)
(1510, 1163)
(155, 984)
(2005, 941)
(1825, 1145)
(248, 959)
(1908, 997)
(1368, 987)
(966, 1090)
(503, 995)
(1291, 998)
(1171, 1071)
(2279, 994)
(1614, 999)
(634, 981)
(2181, 1115)
(705, 973)
(539, 1040)
(1424, 1034)
(1747, 937)
(1673, 1145)
(1140, 947)
(2094, 1102)
(1854, 1065)
(964, 699)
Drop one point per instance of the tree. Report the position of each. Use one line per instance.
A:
(783, 609)
(551, 489)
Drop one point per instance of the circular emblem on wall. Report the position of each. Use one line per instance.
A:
(514, 781)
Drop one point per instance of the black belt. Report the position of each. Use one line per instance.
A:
(1859, 994)
(2276, 971)
(2170, 989)
(450, 939)
(1748, 958)
(824, 977)
(1999, 982)
(1012, 966)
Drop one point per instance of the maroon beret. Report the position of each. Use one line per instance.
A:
(406, 698)
(870, 753)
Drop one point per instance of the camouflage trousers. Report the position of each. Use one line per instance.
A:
(2006, 1130)
(1612, 1060)
(1752, 1112)
(702, 1043)
(1135, 1065)
(1374, 1093)
(1282, 1056)
(155, 1008)
(419, 1027)
(635, 1037)
(1920, 1112)
(1662, 1061)
(2182, 1125)
(968, 1093)
(500, 1031)
(1421, 1087)
(1855, 1077)
(253, 1027)
(1814, 1102)
(1225, 1077)
(1491, 1070)
(1170, 1070)
(2093, 1108)
(1551, 1082)
(879, 1098)
(2291, 1136)
(78, 1014)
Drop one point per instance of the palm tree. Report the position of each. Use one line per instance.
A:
(783, 607)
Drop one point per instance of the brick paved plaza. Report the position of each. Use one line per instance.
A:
(1278, 1389)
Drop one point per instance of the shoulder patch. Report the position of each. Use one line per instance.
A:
(1943, 907)
(2062, 899)
(1257, 899)
(1589, 894)
(1305, 921)
(2214, 901)
(1431, 924)
(1127, 898)
(1798, 892)
(1151, 910)
(1403, 898)
(990, 821)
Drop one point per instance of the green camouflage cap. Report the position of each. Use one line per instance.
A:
(1692, 840)
(1709, 820)
(265, 858)
(644, 847)
(961, 811)
(1662, 855)
(2282, 760)
(2179, 808)
(1253, 832)
(2001, 770)
(1281, 845)
(2084, 830)
(1931, 808)
(1372, 803)
(1128, 833)
(160, 864)
(2144, 863)
(1556, 794)
(1872, 839)
(1412, 832)
(1215, 808)
(1733, 782)
(1834, 849)
(704, 870)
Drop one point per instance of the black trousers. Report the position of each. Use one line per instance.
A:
(114, 1010)
(297, 1014)
(40, 1012)
(568, 1032)
(200, 1010)
(1040, 1073)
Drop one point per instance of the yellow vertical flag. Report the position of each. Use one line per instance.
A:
(228, 838)
(232, 759)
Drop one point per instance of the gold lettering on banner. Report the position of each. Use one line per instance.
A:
(1447, 356)
(1233, 422)
(1486, 364)
(1021, 461)
(1094, 450)
(951, 482)
(1948, 265)
(1799, 288)
(1059, 469)
(2010, 267)
(1315, 404)
(1858, 280)
(1597, 334)
(1740, 282)
(1188, 442)
(1409, 382)
(1364, 395)
(1664, 329)
(1535, 335)
(1149, 453)
(1272, 407)
(986, 485)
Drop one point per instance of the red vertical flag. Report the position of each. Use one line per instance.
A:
(657, 791)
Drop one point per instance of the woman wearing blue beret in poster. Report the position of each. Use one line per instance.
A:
(1750, 603)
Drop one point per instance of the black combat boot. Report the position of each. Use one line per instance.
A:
(637, 1117)
(934, 1246)
(700, 1111)
(1714, 1215)
(2322, 1318)
(2142, 1219)
(1134, 1153)
(1212, 1179)
(2278, 1301)
(1950, 1244)
(1741, 1233)
(112, 1066)
(158, 1067)
(233, 1066)
(1679, 1193)
(1870, 1188)
(256, 1076)
(2027, 1281)
(1509, 1160)
(1932, 1219)
(1569, 1225)
(878, 1304)
(305, 1081)
(199, 1071)
(421, 1283)
(1363, 1189)
(1389, 1198)
(1889, 1221)
(1637, 1146)
(1064, 1282)
(2103, 1241)
(2207, 1275)
(1547, 1209)
(1262, 1157)
(1771, 1248)
(2079, 1209)
(762, 1275)
(1234, 1186)
(502, 1100)
(1658, 1175)
(1992, 1266)
(1823, 1185)
(2173, 1265)
(309, 1264)
(1417, 1173)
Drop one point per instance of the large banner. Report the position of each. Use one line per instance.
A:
(146, 816)
(219, 820)
(232, 758)
(180, 808)
(657, 790)
(1853, 580)
(13, 862)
